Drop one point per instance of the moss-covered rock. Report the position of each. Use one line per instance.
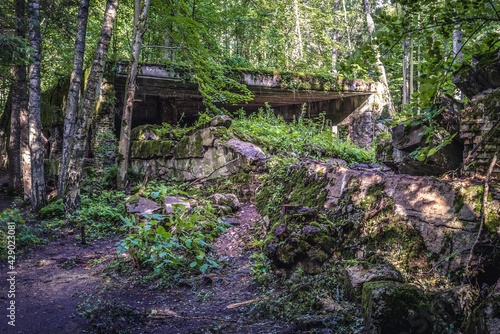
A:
(146, 132)
(356, 276)
(393, 307)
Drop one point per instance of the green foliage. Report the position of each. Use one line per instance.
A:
(15, 232)
(436, 136)
(157, 190)
(182, 239)
(100, 212)
(275, 134)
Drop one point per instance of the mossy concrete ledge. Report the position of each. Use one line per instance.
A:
(206, 150)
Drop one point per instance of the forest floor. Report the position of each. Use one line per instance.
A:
(63, 280)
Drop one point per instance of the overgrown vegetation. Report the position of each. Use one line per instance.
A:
(182, 239)
(303, 137)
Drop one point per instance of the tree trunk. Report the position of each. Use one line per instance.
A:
(335, 49)
(406, 45)
(25, 151)
(380, 66)
(418, 64)
(75, 166)
(411, 70)
(4, 128)
(73, 93)
(297, 48)
(126, 124)
(347, 27)
(19, 105)
(457, 50)
(38, 194)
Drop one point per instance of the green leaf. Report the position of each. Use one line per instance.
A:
(204, 268)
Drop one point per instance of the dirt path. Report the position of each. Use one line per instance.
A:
(51, 280)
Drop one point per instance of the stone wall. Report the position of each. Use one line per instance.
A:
(203, 152)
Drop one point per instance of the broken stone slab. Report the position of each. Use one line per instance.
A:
(394, 307)
(221, 120)
(226, 200)
(355, 277)
(171, 202)
(142, 206)
(248, 150)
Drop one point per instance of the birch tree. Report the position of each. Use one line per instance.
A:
(126, 124)
(335, 49)
(380, 66)
(38, 193)
(73, 93)
(71, 197)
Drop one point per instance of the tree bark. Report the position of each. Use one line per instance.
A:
(297, 49)
(4, 128)
(411, 70)
(19, 105)
(380, 66)
(335, 49)
(71, 197)
(38, 193)
(347, 27)
(457, 50)
(126, 124)
(405, 98)
(25, 151)
(73, 93)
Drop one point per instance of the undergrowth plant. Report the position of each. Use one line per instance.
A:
(181, 239)
(303, 137)
(19, 234)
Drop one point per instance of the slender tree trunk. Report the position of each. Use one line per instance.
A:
(297, 49)
(124, 145)
(73, 93)
(411, 70)
(380, 66)
(15, 178)
(418, 64)
(38, 194)
(19, 104)
(405, 98)
(4, 128)
(457, 50)
(347, 27)
(335, 49)
(75, 167)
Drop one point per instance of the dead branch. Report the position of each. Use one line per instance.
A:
(247, 302)
(483, 211)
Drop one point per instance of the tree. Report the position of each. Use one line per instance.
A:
(73, 93)
(126, 125)
(380, 66)
(71, 197)
(335, 49)
(19, 106)
(38, 194)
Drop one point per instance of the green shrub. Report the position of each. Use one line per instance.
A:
(14, 233)
(302, 137)
(181, 239)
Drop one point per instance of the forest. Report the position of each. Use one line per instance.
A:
(250, 166)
